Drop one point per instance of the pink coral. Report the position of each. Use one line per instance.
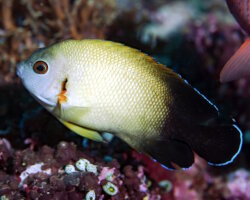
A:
(106, 173)
(185, 191)
(239, 185)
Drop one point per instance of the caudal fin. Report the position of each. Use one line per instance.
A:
(219, 144)
(238, 65)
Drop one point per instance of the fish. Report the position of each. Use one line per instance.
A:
(238, 66)
(96, 86)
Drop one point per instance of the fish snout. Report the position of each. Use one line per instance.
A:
(19, 69)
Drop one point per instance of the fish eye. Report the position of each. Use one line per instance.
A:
(40, 67)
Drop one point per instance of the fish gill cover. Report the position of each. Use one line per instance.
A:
(40, 159)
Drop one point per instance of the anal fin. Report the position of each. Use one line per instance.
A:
(170, 153)
(84, 132)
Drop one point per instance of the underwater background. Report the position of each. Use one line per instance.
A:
(41, 159)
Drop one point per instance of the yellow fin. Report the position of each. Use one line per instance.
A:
(84, 132)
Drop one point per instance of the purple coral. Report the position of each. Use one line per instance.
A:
(238, 185)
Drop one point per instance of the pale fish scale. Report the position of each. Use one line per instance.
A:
(118, 91)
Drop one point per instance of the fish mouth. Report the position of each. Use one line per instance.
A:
(45, 102)
(19, 69)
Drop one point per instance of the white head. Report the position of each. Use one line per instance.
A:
(43, 74)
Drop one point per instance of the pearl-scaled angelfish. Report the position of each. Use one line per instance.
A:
(95, 86)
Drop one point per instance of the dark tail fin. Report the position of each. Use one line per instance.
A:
(219, 144)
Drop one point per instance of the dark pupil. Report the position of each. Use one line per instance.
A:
(40, 68)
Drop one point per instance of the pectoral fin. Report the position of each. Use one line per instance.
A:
(84, 132)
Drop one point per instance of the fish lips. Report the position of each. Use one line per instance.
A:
(19, 69)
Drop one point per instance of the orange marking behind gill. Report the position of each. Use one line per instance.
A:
(62, 98)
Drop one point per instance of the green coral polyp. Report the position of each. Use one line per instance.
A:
(90, 195)
(110, 188)
(69, 169)
(92, 168)
(82, 164)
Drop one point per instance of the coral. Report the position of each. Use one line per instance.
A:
(110, 189)
(27, 25)
(90, 195)
(81, 164)
(238, 185)
(166, 21)
(69, 169)
(178, 17)
(45, 175)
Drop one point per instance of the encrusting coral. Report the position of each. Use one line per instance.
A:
(55, 173)
(52, 174)
(27, 25)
